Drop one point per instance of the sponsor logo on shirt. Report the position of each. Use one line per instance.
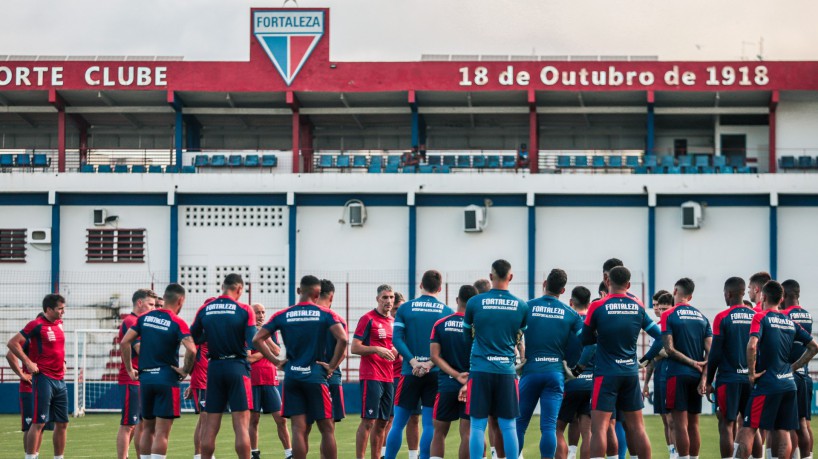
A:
(50, 334)
(784, 375)
(546, 359)
(781, 323)
(500, 304)
(497, 358)
(301, 369)
(689, 314)
(381, 332)
(220, 308)
(156, 322)
(622, 308)
(625, 361)
(426, 306)
(548, 312)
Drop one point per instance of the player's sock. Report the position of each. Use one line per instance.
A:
(55, 457)
(508, 428)
(435, 457)
(144, 456)
(157, 456)
(477, 436)
(289, 453)
(414, 454)
(383, 451)
(612, 457)
(493, 453)
(255, 454)
(769, 453)
(428, 425)
(31, 456)
(395, 436)
(572, 451)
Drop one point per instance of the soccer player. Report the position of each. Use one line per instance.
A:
(496, 320)
(727, 364)
(551, 323)
(47, 365)
(304, 328)
(772, 404)
(803, 381)
(687, 336)
(576, 404)
(373, 342)
(614, 324)
(756, 282)
(143, 300)
(161, 332)
(450, 351)
(662, 301)
(266, 399)
(483, 285)
(228, 327)
(412, 328)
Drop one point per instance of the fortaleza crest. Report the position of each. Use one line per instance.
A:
(288, 37)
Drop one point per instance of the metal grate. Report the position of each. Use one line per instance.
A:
(12, 245)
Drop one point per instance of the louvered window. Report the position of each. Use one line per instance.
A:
(12, 245)
(116, 246)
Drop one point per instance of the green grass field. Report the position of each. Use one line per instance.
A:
(93, 436)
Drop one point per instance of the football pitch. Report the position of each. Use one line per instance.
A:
(93, 436)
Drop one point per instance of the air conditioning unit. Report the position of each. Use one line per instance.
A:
(691, 215)
(356, 214)
(39, 236)
(99, 217)
(474, 219)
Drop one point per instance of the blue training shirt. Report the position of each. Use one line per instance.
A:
(551, 324)
(455, 349)
(803, 318)
(496, 319)
(573, 351)
(614, 324)
(413, 326)
(689, 329)
(227, 326)
(304, 328)
(776, 335)
(161, 331)
(728, 353)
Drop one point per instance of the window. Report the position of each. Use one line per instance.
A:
(12, 245)
(116, 246)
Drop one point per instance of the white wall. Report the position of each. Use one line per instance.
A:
(31, 279)
(797, 250)
(733, 241)
(758, 142)
(797, 124)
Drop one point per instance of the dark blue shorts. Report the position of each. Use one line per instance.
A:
(772, 411)
(50, 399)
(448, 408)
(228, 385)
(160, 401)
(27, 412)
(305, 398)
(683, 394)
(417, 410)
(659, 392)
(492, 394)
(575, 403)
(266, 399)
(376, 399)
(336, 391)
(616, 392)
(129, 401)
(412, 390)
(731, 399)
(804, 385)
(199, 399)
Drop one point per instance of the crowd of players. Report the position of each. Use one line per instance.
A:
(423, 366)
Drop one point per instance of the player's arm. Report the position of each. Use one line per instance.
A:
(714, 358)
(340, 352)
(399, 341)
(125, 350)
(648, 374)
(752, 348)
(196, 329)
(259, 343)
(359, 348)
(673, 353)
(703, 382)
(14, 363)
(189, 359)
(15, 345)
(812, 348)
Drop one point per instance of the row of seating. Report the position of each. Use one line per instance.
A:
(35, 160)
(695, 170)
(650, 161)
(800, 162)
(135, 169)
(235, 161)
(393, 162)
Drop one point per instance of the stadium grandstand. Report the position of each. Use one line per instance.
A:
(120, 173)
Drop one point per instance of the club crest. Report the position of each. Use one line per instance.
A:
(288, 38)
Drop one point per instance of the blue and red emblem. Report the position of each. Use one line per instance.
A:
(288, 37)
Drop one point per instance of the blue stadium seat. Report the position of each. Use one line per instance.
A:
(674, 170)
(251, 161)
(493, 161)
(154, 169)
(22, 160)
(215, 161)
(649, 161)
(804, 162)
(188, 170)
(580, 161)
(509, 162)
(631, 161)
(786, 162)
(702, 161)
(563, 161)
(393, 161)
(391, 168)
(342, 161)
(325, 161)
(409, 169)
(598, 161)
(433, 160)
(478, 161)
(708, 170)
(745, 170)
(614, 161)
(689, 169)
(121, 168)
(374, 168)
(424, 169)
(86, 168)
(640, 170)
(667, 161)
(40, 160)
(719, 161)
(104, 169)
(685, 161)
(201, 161)
(234, 161)
(269, 161)
(725, 169)
(736, 161)
(138, 169)
(452, 161)
(359, 162)
(443, 169)
(6, 160)
(376, 161)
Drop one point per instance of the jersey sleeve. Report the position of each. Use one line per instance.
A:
(708, 332)
(524, 322)
(196, 330)
(576, 327)
(362, 330)
(137, 326)
(28, 329)
(717, 323)
(663, 322)
(755, 327)
(271, 325)
(801, 335)
(435, 337)
(182, 329)
(650, 326)
(250, 328)
(468, 316)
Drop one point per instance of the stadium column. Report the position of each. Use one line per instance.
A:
(533, 135)
(413, 241)
(413, 105)
(774, 97)
(294, 106)
(650, 140)
(179, 127)
(174, 237)
(291, 235)
(651, 243)
(193, 133)
(54, 201)
(774, 234)
(532, 243)
(58, 102)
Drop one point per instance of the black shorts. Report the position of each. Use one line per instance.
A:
(50, 398)
(129, 401)
(417, 410)
(160, 401)
(376, 399)
(228, 385)
(804, 385)
(683, 394)
(448, 408)
(199, 398)
(266, 399)
(731, 399)
(336, 391)
(772, 411)
(659, 390)
(27, 412)
(493, 394)
(310, 399)
(612, 393)
(575, 403)
(411, 390)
